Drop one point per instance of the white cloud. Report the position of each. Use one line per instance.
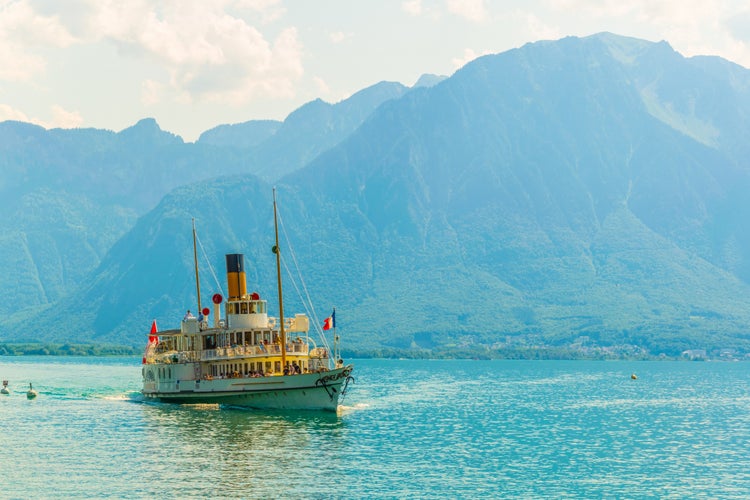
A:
(468, 56)
(61, 118)
(413, 7)
(22, 33)
(473, 10)
(65, 119)
(16, 64)
(210, 50)
(9, 113)
(691, 28)
(209, 53)
(321, 85)
(339, 36)
(151, 92)
(538, 29)
(270, 10)
(739, 25)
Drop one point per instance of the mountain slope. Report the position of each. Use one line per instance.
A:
(70, 194)
(314, 128)
(542, 196)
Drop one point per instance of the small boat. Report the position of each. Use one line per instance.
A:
(31, 393)
(246, 358)
(5, 389)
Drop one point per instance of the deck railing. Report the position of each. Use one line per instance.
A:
(254, 350)
(295, 348)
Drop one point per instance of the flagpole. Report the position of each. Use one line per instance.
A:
(335, 340)
(195, 263)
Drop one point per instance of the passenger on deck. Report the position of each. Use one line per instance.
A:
(188, 315)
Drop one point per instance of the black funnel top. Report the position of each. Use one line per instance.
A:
(235, 263)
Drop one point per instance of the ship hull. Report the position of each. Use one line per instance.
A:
(311, 391)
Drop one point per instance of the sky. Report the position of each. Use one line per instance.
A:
(196, 64)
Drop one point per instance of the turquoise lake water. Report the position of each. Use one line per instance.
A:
(408, 429)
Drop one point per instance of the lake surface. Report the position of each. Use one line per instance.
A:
(408, 429)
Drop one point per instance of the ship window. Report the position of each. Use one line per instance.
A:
(170, 373)
(268, 366)
(244, 308)
(277, 367)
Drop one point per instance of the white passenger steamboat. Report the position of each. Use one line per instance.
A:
(246, 358)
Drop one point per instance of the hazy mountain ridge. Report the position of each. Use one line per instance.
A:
(542, 196)
(556, 205)
(240, 135)
(315, 127)
(116, 177)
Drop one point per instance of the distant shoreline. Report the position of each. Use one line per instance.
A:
(538, 353)
(41, 349)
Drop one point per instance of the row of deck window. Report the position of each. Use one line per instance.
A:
(244, 338)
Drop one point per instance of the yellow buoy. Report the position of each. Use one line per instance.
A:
(632, 375)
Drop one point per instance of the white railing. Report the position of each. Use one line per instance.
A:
(254, 350)
(298, 348)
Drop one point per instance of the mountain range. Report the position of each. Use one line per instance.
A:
(582, 195)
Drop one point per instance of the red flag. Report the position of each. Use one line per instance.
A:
(152, 337)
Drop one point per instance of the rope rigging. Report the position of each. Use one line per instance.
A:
(208, 262)
(306, 300)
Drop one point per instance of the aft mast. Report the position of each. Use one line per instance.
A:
(278, 278)
(195, 260)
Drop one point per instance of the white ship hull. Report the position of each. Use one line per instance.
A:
(310, 391)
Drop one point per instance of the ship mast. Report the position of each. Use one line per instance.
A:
(195, 260)
(278, 278)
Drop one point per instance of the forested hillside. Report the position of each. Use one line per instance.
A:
(583, 196)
